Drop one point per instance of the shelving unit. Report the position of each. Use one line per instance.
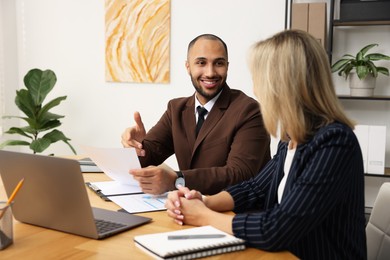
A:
(372, 181)
(359, 23)
(333, 25)
(336, 24)
(384, 98)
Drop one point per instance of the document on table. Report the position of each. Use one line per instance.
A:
(106, 189)
(137, 203)
(124, 190)
(87, 165)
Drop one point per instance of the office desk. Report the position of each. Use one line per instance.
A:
(31, 242)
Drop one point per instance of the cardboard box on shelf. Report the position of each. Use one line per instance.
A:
(310, 17)
(300, 16)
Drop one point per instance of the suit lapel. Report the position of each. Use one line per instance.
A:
(188, 118)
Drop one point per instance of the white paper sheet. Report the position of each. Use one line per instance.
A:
(137, 203)
(115, 162)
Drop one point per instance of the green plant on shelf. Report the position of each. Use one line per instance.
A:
(362, 63)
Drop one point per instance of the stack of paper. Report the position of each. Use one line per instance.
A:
(87, 165)
(124, 190)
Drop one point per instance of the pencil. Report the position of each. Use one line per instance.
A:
(17, 188)
(11, 198)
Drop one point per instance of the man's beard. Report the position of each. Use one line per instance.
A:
(203, 93)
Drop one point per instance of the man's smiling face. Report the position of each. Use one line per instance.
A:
(207, 65)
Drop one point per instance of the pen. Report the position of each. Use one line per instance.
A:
(177, 237)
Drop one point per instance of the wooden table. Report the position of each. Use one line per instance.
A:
(32, 242)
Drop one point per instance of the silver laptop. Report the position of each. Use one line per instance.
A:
(54, 196)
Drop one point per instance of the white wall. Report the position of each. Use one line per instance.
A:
(8, 63)
(68, 37)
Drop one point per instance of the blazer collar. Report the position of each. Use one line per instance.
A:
(213, 117)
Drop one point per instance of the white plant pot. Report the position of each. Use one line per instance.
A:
(361, 88)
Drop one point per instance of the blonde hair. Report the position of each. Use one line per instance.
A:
(293, 84)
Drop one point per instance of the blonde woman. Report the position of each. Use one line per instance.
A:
(309, 199)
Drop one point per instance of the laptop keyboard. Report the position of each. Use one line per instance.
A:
(105, 226)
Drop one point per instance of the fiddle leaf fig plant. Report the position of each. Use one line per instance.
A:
(38, 117)
(362, 63)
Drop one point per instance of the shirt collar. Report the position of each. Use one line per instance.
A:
(209, 105)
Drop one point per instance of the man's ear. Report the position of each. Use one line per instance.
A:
(187, 67)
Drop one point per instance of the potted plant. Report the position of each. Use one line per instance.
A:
(361, 70)
(39, 120)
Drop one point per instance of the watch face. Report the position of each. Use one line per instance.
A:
(179, 181)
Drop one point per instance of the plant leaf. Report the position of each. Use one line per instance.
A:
(57, 135)
(39, 83)
(349, 56)
(383, 70)
(45, 118)
(43, 125)
(71, 147)
(13, 143)
(51, 104)
(361, 71)
(33, 125)
(366, 48)
(28, 129)
(50, 125)
(340, 64)
(25, 103)
(377, 56)
(40, 144)
(346, 70)
(17, 130)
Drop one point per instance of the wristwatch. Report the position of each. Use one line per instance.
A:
(180, 179)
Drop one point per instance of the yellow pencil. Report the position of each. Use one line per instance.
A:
(17, 188)
(11, 198)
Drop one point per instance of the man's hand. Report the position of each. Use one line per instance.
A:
(155, 179)
(133, 136)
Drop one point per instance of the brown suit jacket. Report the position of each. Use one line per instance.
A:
(232, 144)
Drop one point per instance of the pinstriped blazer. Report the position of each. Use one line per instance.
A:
(321, 214)
(232, 145)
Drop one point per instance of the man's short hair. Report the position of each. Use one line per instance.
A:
(208, 37)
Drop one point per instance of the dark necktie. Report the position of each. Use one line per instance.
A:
(201, 113)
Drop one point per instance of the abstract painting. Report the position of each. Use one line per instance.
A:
(137, 37)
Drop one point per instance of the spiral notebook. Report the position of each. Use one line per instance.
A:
(186, 244)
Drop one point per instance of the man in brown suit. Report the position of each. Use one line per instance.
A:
(232, 144)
